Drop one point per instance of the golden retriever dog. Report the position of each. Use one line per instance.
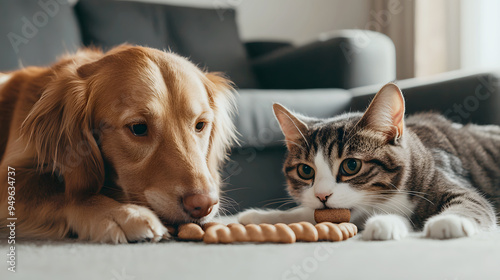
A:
(108, 146)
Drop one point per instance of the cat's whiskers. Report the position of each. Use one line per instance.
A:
(401, 204)
(412, 193)
(278, 199)
(366, 212)
(394, 186)
(374, 205)
(391, 204)
(393, 207)
(283, 202)
(405, 191)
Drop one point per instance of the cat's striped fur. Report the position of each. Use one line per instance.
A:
(422, 172)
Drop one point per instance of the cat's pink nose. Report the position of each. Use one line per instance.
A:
(323, 197)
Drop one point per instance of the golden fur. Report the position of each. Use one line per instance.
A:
(80, 170)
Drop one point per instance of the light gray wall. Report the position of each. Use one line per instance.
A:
(299, 21)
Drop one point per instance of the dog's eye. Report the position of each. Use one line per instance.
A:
(139, 129)
(200, 126)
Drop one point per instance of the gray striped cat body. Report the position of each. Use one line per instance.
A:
(395, 174)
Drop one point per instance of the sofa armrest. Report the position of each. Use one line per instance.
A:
(259, 48)
(463, 97)
(347, 59)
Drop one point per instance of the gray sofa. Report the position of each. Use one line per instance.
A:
(321, 79)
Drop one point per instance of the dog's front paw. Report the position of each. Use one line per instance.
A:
(251, 216)
(125, 223)
(447, 226)
(139, 223)
(385, 227)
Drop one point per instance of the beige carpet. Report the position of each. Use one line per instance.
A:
(412, 258)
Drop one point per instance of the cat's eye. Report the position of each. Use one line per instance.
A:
(305, 171)
(350, 166)
(199, 126)
(139, 129)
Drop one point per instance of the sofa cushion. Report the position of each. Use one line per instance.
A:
(36, 32)
(108, 23)
(212, 41)
(255, 120)
(196, 33)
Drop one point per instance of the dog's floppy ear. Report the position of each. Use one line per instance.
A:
(223, 135)
(59, 128)
(111, 57)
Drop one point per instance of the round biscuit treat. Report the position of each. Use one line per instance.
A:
(332, 215)
(190, 231)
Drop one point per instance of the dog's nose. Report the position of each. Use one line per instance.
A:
(198, 205)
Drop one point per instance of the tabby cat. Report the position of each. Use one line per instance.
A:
(395, 174)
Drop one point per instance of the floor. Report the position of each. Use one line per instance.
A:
(412, 258)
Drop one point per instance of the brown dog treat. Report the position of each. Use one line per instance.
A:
(207, 225)
(355, 228)
(285, 234)
(269, 233)
(329, 232)
(344, 230)
(239, 232)
(304, 232)
(351, 228)
(212, 233)
(224, 235)
(332, 215)
(254, 233)
(190, 232)
(278, 233)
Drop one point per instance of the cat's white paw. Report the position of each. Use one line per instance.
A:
(449, 226)
(251, 216)
(385, 227)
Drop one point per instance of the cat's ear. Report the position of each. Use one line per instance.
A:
(292, 127)
(386, 112)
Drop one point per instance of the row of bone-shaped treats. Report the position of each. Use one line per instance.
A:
(277, 233)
